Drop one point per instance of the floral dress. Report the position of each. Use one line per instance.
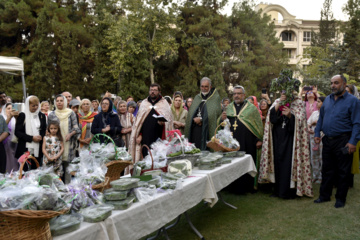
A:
(52, 148)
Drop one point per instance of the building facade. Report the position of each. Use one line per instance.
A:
(294, 33)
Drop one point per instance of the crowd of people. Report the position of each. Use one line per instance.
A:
(311, 141)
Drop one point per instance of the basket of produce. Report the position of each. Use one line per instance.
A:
(101, 186)
(163, 169)
(115, 166)
(27, 222)
(223, 140)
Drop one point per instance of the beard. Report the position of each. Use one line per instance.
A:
(339, 91)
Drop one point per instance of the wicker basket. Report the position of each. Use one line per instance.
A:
(114, 170)
(27, 224)
(101, 186)
(215, 145)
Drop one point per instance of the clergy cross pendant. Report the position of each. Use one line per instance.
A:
(283, 124)
(199, 114)
(235, 125)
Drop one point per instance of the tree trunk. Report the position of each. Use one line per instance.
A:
(151, 70)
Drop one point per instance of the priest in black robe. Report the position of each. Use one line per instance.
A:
(247, 128)
(203, 114)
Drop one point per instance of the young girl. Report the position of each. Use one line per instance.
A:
(315, 149)
(53, 148)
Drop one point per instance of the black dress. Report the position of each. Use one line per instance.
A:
(23, 138)
(283, 138)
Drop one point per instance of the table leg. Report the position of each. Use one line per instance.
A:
(163, 230)
(193, 227)
(226, 203)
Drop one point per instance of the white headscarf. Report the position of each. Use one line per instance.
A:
(32, 127)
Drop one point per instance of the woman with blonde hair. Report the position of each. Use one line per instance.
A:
(86, 117)
(179, 114)
(30, 129)
(69, 130)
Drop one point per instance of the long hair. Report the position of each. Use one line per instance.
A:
(58, 134)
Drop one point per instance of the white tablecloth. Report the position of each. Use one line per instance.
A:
(144, 218)
(225, 174)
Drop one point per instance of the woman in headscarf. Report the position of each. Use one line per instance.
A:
(254, 101)
(107, 122)
(10, 147)
(126, 121)
(264, 107)
(30, 129)
(178, 113)
(86, 117)
(69, 129)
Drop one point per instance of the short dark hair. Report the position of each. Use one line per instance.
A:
(156, 85)
(343, 78)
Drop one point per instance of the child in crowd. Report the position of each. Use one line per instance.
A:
(53, 148)
(315, 149)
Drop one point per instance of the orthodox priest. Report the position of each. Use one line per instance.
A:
(285, 157)
(203, 114)
(247, 129)
(148, 127)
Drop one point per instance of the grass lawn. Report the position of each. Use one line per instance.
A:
(262, 217)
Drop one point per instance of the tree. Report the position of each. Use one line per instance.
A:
(148, 29)
(327, 32)
(202, 39)
(255, 55)
(351, 46)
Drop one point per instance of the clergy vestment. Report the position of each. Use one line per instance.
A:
(209, 109)
(247, 128)
(291, 151)
(147, 126)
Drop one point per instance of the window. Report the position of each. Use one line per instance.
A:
(290, 52)
(307, 37)
(286, 36)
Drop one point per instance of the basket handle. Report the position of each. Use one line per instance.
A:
(96, 138)
(142, 157)
(182, 144)
(22, 165)
(217, 129)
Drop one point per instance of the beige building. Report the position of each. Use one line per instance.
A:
(294, 33)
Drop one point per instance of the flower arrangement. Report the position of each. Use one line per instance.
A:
(287, 85)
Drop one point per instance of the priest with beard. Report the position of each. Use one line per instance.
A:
(147, 129)
(247, 128)
(203, 114)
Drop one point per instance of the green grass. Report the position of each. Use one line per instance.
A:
(261, 217)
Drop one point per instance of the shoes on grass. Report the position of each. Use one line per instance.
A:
(321, 200)
(339, 204)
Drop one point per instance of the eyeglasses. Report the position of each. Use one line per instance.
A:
(153, 90)
(106, 104)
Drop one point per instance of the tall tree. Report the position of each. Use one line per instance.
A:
(202, 38)
(148, 29)
(255, 56)
(327, 32)
(351, 46)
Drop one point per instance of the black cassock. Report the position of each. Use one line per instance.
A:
(247, 142)
(283, 138)
(151, 130)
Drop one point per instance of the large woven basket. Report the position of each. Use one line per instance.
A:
(27, 224)
(114, 170)
(215, 145)
(101, 186)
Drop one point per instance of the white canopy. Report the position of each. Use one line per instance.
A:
(9, 64)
